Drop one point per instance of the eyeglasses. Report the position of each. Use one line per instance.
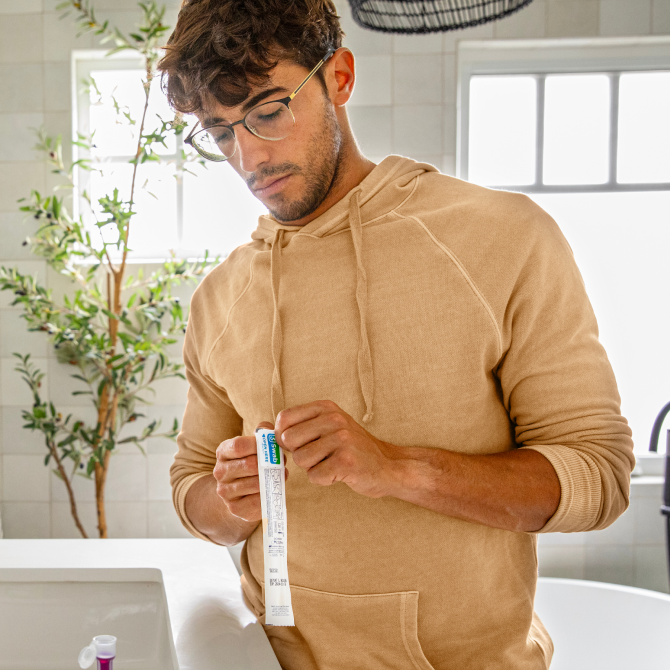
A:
(270, 121)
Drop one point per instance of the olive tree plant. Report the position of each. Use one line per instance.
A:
(113, 329)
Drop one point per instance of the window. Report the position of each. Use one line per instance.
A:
(184, 211)
(582, 127)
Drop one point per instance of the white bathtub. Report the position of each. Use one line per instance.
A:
(597, 626)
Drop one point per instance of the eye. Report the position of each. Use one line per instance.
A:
(270, 116)
(220, 134)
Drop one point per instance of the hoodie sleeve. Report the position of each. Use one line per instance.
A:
(558, 385)
(209, 419)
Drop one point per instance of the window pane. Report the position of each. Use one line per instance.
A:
(620, 242)
(220, 212)
(576, 129)
(114, 134)
(153, 230)
(644, 128)
(502, 130)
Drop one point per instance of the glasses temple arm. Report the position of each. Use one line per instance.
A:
(311, 74)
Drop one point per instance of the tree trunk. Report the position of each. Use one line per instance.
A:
(70, 492)
(100, 480)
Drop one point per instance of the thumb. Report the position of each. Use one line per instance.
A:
(267, 424)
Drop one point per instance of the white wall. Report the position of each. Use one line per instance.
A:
(404, 103)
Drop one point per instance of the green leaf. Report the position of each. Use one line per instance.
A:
(68, 440)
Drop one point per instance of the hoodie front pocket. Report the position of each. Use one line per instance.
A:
(367, 632)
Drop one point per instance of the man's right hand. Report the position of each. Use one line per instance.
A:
(236, 474)
(226, 506)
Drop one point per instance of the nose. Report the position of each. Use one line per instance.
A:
(252, 151)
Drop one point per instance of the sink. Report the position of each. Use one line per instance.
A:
(47, 615)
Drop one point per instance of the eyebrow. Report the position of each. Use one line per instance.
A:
(252, 102)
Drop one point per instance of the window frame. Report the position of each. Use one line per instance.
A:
(83, 62)
(540, 58)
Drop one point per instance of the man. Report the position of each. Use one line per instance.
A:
(423, 347)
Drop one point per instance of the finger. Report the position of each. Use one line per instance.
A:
(228, 471)
(236, 447)
(309, 455)
(238, 488)
(311, 430)
(294, 415)
(324, 473)
(247, 508)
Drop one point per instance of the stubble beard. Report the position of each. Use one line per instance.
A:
(322, 172)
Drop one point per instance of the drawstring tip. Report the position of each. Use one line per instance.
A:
(367, 418)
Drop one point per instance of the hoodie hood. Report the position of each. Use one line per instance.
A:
(384, 189)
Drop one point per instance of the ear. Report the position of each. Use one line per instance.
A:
(340, 76)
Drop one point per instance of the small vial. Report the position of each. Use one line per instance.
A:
(102, 649)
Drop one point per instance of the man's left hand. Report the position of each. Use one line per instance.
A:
(331, 447)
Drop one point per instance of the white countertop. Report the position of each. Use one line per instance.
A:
(211, 626)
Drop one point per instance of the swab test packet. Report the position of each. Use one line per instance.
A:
(278, 608)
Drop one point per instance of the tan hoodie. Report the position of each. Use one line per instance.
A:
(438, 314)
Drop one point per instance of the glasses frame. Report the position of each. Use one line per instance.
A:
(243, 121)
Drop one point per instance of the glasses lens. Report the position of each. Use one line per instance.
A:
(271, 121)
(216, 143)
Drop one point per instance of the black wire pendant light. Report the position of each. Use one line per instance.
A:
(429, 16)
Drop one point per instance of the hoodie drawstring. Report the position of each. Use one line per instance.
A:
(365, 374)
(277, 392)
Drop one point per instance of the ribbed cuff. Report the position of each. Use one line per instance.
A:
(179, 500)
(581, 489)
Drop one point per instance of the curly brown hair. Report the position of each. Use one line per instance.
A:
(222, 48)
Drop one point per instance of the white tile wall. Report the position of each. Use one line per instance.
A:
(417, 44)
(417, 79)
(163, 522)
(650, 567)
(33, 268)
(23, 7)
(15, 177)
(621, 17)
(405, 102)
(14, 391)
(25, 479)
(57, 93)
(571, 18)
(21, 37)
(660, 17)
(527, 22)
(14, 228)
(373, 81)
(362, 42)
(60, 37)
(62, 524)
(17, 139)
(417, 129)
(16, 439)
(452, 37)
(372, 128)
(84, 488)
(609, 563)
(567, 562)
(26, 520)
(15, 338)
(16, 96)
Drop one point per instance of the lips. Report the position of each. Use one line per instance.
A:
(270, 186)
